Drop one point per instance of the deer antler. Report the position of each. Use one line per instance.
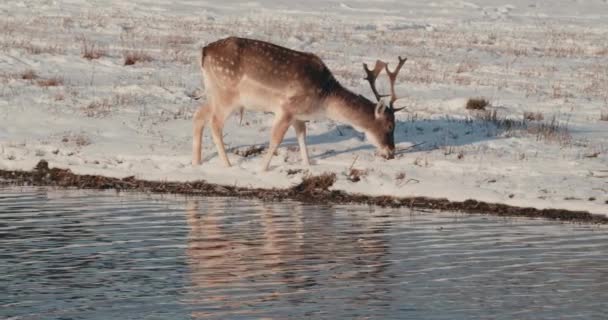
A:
(392, 77)
(372, 75)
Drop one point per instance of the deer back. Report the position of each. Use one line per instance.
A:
(233, 59)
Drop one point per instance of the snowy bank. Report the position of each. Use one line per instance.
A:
(109, 90)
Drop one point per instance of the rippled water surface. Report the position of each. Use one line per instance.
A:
(102, 255)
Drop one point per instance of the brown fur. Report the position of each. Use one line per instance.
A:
(296, 86)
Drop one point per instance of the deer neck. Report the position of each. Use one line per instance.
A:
(347, 107)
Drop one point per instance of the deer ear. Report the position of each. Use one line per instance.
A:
(380, 108)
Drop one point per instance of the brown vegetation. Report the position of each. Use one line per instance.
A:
(249, 151)
(28, 75)
(133, 57)
(533, 116)
(477, 104)
(354, 175)
(50, 82)
(312, 184)
(312, 189)
(98, 108)
(91, 51)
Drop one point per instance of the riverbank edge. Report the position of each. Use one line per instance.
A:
(312, 189)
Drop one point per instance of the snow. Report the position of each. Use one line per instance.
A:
(523, 56)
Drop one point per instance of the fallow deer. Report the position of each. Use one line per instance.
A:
(295, 86)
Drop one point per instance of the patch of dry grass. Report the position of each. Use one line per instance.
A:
(533, 116)
(133, 57)
(477, 104)
(50, 82)
(551, 131)
(78, 139)
(249, 151)
(176, 40)
(28, 75)
(98, 108)
(400, 176)
(32, 48)
(91, 51)
(312, 183)
(355, 175)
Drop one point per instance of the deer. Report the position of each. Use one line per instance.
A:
(241, 73)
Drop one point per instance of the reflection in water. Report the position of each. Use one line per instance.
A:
(99, 255)
(282, 256)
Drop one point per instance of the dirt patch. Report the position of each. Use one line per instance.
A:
(312, 189)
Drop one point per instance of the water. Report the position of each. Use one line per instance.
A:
(102, 255)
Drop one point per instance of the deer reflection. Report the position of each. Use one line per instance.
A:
(239, 258)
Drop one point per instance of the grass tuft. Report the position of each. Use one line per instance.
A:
(312, 183)
(533, 116)
(98, 108)
(477, 104)
(91, 52)
(354, 175)
(250, 151)
(133, 57)
(28, 75)
(50, 82)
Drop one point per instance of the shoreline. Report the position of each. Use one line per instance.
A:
(311, 187)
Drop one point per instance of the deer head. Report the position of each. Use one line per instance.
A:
(383, 131)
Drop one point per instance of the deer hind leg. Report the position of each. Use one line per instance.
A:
(300, 127)
(280, 126)
(217, 127)
(201, 116)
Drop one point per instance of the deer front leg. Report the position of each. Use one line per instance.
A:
(280, 126)
(300, 127)
(200, 118)
(217, 126)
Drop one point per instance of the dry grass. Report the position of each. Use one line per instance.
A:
(477, 104)
(180, 55)
(36, 49)
(533, 116)
(467, 66)
(91, 51)
(50, 82)
(133, 57)
(176, 40)
(78, 139)
(551, 131)
(400, 176)
(28, 75)
(122, 98)
(98, 108)
(294, 171)
(355, 175)
(59, 96)
(311, 183)
(32, 76)
(249, 151)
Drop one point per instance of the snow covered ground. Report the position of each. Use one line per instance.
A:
(99, 116)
